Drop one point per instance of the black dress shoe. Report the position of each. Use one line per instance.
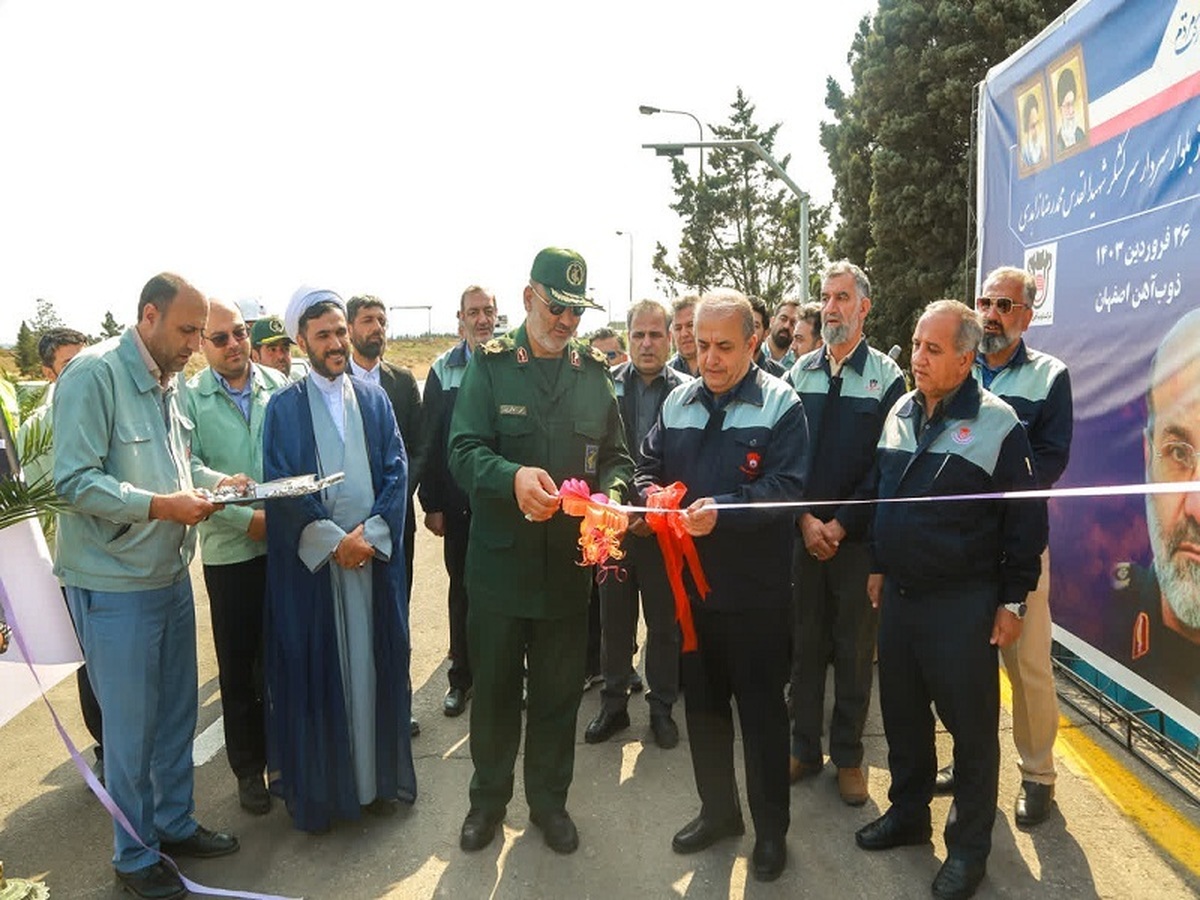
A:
(156, 882)
(478, 829)
(558, 831)
(666, 732)
(253, 796)
(456, 701)
(607, 723)
(890, 831)
(701, 833)
(1033, 803)
(770, 856)
(958, 878)
(943, 783)
(203, 844)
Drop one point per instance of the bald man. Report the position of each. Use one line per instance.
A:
(227, 404)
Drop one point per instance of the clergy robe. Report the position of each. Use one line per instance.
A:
(325, 755)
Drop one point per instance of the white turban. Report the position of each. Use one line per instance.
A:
(305, 298)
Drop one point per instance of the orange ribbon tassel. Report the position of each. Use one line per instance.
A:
(677, 549)
(602, 527)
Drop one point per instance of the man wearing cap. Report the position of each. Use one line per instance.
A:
(271, 346)
(227, 403)
(447, 511)
(121, 466)
(337, 645)
(534, 408)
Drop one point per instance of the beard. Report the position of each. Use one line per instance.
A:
(835, 335)
(994, 342)
(1178, 579)
(782, 340)
(370, 348)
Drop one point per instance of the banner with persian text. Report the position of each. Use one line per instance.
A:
(1089, 177)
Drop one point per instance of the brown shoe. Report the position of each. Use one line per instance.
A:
(799, 770)
(852, 785)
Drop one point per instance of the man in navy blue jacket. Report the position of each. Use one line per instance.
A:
(847, 389)
(952, 578)
(732, 436)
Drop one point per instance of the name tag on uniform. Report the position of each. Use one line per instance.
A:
(510, 409)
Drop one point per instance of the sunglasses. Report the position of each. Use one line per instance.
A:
(221, 338)
(1003, 305)
(556, 308)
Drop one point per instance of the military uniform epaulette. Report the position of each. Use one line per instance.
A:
(596, 355)
(499, 345)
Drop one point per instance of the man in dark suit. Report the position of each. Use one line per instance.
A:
(642, 384)
(366, 316)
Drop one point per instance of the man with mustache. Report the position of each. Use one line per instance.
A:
(227, 403)
(337, 654)
(783, 327)
(270, 345)
(1038, 387)
(121, 466)
(683, 333)
(1160, 634)
(847, 388)
(535, 408)
(951, 581)
(447, 511)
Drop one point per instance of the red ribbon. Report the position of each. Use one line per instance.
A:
(677, 548)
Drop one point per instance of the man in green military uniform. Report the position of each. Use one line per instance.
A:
(535, 407)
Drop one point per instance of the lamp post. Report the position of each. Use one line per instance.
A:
(628, 234)
(654, 110)
(757, 149)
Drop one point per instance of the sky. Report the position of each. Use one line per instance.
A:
(403, 150)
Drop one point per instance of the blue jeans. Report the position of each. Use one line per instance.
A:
(140, 648)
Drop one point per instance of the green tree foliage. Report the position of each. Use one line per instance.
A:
(110, 327)
(45, 318)
(27, 352)
(741, 223)
(900, 145)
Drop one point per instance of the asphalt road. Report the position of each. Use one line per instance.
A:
(628, 799)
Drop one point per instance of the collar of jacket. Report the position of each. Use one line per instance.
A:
(748, 390)
(963, 405)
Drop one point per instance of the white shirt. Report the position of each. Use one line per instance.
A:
(331, 393)
(371, 374)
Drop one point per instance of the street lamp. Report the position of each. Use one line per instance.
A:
(757, 149)
(654, 110)
(628, 234)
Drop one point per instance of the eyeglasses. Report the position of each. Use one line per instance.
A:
(1003, 305)
(557, 309)
(1176, 461)
(221, 338)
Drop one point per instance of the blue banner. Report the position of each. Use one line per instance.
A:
(1089, 162)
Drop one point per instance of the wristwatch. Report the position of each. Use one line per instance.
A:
(1017, 609)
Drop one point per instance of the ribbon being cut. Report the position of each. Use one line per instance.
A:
(604, 525)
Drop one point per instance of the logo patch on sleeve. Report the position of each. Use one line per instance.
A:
(962, 436)
(591, 455)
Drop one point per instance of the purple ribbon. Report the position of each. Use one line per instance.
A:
(102, 795)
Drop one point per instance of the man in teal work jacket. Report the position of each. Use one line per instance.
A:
(227, 403)
(121, 449)
(535, 407)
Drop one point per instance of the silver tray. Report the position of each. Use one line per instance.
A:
(296, 486)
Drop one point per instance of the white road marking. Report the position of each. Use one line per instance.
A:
(209, 742)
